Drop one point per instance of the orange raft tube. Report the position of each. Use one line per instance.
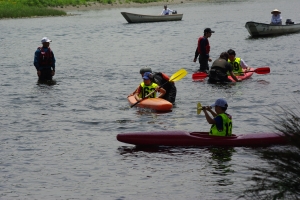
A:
(184, 138)
(157, 104)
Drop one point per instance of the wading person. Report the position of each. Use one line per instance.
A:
(44, 60)
(220, 69)
(203, 49)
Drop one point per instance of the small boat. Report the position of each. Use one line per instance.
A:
(139, 18)
(260, 29)
(157, 104)
(184, 138)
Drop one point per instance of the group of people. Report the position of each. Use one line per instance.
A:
(153, 82)
(226, 64)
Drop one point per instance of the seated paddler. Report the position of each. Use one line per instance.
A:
(221, 121)
(148, 87)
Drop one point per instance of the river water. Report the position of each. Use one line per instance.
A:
(59, 141)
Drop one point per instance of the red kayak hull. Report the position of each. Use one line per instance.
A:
(244, 76)
(183, 138)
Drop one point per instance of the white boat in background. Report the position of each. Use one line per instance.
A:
(139, 18)
(260, 29)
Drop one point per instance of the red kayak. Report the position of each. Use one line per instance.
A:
(200, 76)
(183, 138)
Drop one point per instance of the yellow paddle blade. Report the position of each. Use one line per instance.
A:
(178, 75)
(199, 108)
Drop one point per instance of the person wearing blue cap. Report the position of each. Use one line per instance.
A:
(147, 87)
(44, 60)
(161, 79)
(221, 121)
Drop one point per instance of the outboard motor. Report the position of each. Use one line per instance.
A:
(174, 12)
(289, 21)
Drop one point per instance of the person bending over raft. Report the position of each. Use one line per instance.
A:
(162, 80)
(146, 87)
(221, 121)
(219, 70)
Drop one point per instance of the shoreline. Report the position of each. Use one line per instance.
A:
(100, 6)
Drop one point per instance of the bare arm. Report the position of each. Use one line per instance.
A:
(234, 77)
(209, 119)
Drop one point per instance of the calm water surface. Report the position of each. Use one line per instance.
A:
(59, 141)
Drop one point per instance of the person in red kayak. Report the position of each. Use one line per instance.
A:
(221, 121)
(238, 64)
(147, 87)
(162, 80)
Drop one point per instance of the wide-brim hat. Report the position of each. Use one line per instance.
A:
(275, 11)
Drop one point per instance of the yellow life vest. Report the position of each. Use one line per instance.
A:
(236, 66)
(147, 89)
(227, 127)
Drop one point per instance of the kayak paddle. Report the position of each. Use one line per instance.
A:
(175, 77)
(199, 108)
(261, 70)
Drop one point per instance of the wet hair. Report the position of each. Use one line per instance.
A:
(224, 55)
(145, 69)
(231, 52)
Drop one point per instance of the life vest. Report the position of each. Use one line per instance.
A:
(147, 89)
(227, 127)
(46, 57)
(236, 65)
(207, 47)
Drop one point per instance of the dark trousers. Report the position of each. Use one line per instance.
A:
(46, 74)
(203, 60)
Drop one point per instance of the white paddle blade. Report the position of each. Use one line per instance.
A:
(199, 108)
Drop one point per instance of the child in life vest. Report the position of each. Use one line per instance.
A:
(148, 89)
(221, 122)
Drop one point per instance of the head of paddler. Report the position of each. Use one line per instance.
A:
(231, 54)
(147, 78)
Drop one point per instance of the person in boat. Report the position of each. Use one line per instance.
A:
(44, 60)
(146, 87)
(203, 50)
(276, 18)
(221, 121)
(238, 64)
(162, 80)
(220, 69)
(166, 11)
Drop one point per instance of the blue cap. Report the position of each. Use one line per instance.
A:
(147, 75)
(220, 102)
